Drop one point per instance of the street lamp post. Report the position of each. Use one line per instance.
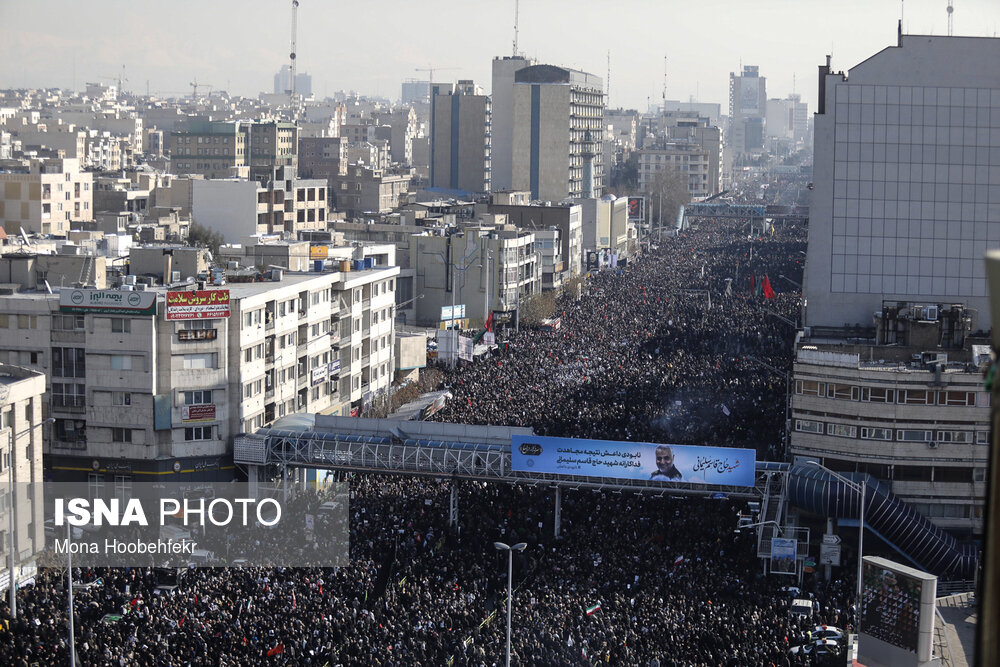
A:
(11, 510)
(520, 546)
(860, 488)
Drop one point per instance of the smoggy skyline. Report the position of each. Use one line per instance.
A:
(371, 47)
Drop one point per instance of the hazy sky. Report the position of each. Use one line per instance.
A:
(371, 46)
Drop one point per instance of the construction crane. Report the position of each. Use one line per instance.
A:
(194, 88)
(291, 55)
(430, 73)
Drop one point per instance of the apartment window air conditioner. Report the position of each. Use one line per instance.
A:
(932, 444)
(175, 276)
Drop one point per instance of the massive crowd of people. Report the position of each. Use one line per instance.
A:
(632, 579)
(679, 347)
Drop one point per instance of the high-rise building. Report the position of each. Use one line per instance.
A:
(502, 123)
(282, 81)
(558, 118)
(905, 200)
(460, 138)
(747, 107)
(888, 374)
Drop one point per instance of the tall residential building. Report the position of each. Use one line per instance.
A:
(558, 123)
(502, 123)
(747, 108)
(460, 138)
(45, 196)
(905, 201)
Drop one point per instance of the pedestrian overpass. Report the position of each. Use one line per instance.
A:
(437, 449)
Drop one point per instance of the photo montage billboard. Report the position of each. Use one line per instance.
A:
(681, 464)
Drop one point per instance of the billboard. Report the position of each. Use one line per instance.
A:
(784, 551)
(449, 313)
(107, 302)
(636, 208)
(318, 252)
(633, 460)
(890, 605)
(198, 305)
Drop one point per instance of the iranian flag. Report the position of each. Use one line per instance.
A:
(593, 610)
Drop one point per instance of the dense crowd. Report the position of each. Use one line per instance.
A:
(676, 348)
(667, 581)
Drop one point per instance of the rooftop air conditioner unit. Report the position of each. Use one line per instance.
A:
(931, 313)
(175, 276)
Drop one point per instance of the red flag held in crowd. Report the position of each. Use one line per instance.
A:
(277, 650)
(768, 292)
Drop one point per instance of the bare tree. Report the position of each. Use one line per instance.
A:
(666, 192)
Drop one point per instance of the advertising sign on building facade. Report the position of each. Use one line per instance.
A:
(107, 302)
(198, 305)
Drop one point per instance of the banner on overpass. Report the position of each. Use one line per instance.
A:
(633, 460)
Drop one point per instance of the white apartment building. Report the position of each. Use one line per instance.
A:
(691, 163)
(137, 393)
(21, 435)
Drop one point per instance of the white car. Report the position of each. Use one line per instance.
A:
(828, 632)
(818, 647)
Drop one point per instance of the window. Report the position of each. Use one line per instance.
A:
(878, 395)
(121, 325)
(844, 392)
(199, 361)
(121, 362)
(955, 436)
(121, 435)
(123, 487)
(66, 395)
(27, 322)
(842, 430)
(808, 426)
(956, 398)
(198, 397)
(66, 322)
(95, 484)
(810, 387)
(876, 433)
(121, 398)
(979, 474)
(915, 397)
(982, 437)
(913, 435)
(198, 433)
(68, 362)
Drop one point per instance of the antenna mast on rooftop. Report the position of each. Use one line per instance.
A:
(607, 83)
(516, 7)
(951, 11)
(663, 110)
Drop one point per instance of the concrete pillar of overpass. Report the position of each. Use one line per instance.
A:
(557, 524)
(253, 480)
(453, 505)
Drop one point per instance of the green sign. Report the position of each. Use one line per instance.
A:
(107, 302)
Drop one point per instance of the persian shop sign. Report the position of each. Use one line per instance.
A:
(198, 305)
(107, 302)
(202, 412)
